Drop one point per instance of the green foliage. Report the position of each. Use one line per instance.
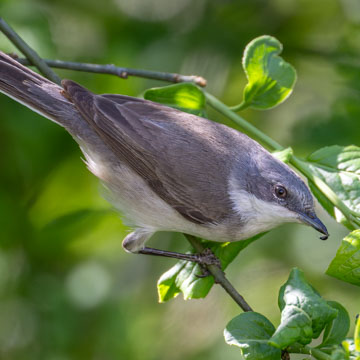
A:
(184, 276)
(46, 324)
(339, 168)
(250, 332)
(270, 78)
(185, 96)
(337, 329)
(346, 264)
(304, 314)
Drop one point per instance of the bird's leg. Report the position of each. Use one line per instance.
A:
(205, 258)
(134, 243)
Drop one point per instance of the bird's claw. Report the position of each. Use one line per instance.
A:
(207, 257)
(204, 259)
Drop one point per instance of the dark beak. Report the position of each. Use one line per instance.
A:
(311, 219)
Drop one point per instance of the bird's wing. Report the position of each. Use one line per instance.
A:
(177, 154)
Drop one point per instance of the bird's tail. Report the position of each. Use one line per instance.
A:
(39, 94)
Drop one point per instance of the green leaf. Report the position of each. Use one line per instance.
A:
(185, 97)
(182, 277)
(339, 354)
(270, 78)
(284, 155)
(336, 330)
(250, 331)
(346, 264)
(167, 288)
(339, 168)
(304, 314)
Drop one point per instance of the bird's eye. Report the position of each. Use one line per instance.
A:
(280, 191)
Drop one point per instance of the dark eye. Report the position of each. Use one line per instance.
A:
(280, 191)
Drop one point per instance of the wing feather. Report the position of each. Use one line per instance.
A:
(180, 160)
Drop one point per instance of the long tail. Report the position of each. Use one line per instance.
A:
(39, 94)
(45, 97)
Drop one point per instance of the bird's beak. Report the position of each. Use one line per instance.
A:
(311, 219)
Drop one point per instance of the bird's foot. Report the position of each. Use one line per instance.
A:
(207, 257)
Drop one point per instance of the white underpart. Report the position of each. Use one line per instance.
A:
(144, 210)
(147, 213)
(258, 215)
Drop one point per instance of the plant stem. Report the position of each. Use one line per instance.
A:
(300, 349)
(219, 275)
(30, 54)
(241, 106)
(121, 72)
(300, 165)
(251, 129)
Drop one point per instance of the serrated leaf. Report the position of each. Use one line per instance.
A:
(270, 78)
(304, 314)
(346, 264)
(284, 155)
(339, 168)
(336, 330)
(182, 277)
(250, 331)
(185, 97)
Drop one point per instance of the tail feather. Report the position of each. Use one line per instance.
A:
(39, 94)
(50, 100)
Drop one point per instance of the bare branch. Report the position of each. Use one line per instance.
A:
(30, 54)
(219, 276)
(121, 72)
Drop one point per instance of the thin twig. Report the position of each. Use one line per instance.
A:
(121, 72)
(30, 54)
(219, 276)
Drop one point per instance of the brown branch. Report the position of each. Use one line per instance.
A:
(121, 72)
(31, 55)
(219, 276)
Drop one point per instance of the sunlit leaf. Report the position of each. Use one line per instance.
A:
(304, 314)
(346, 264)
(183, 277)
(250, 332)
(270, 78)
(185, 96)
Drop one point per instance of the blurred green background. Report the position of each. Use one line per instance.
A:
(67, 289)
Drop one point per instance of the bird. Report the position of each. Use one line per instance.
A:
(167, 170)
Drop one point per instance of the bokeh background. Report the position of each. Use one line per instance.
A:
(67, 289)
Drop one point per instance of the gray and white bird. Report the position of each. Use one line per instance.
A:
(167, 170)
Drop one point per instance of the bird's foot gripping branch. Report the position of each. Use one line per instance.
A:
(333, 175)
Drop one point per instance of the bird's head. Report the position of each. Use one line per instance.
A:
(271, 193)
